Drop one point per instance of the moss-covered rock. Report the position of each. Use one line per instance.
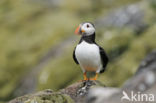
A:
(76, 92)
(32, 29)
(46, 96)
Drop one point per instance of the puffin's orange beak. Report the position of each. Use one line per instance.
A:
(77, 31)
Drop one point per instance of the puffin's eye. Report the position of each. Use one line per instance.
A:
(87, 26)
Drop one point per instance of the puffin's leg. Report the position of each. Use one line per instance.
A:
(96, 75)
(85, 76)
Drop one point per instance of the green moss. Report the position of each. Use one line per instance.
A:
(58, 76)
(43, 97)
(126, 65)
(55, 98)
(26, 36)
(116, 41)
(29, 29)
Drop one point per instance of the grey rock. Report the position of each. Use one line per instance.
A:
(129, 16)
(148, 63)
(145, 76)
(96, 95)
(78, 91)
(143, 82)
(46, 96)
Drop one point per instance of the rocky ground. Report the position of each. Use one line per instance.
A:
(143, 82)
(37, 40)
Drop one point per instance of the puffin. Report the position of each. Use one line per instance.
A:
(88, 54)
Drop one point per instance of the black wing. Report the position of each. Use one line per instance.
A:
(74, 57)
(104, 59)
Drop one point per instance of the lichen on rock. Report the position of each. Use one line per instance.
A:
(46, 96)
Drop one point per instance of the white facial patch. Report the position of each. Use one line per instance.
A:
(88, 28)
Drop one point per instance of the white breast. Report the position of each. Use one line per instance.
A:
(88, 55)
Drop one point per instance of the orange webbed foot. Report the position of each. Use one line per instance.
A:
(85, 76)
(95, 78)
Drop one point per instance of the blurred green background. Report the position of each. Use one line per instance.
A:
(37, 40)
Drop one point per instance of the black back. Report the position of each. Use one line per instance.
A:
(74, 57)
(104, 59)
